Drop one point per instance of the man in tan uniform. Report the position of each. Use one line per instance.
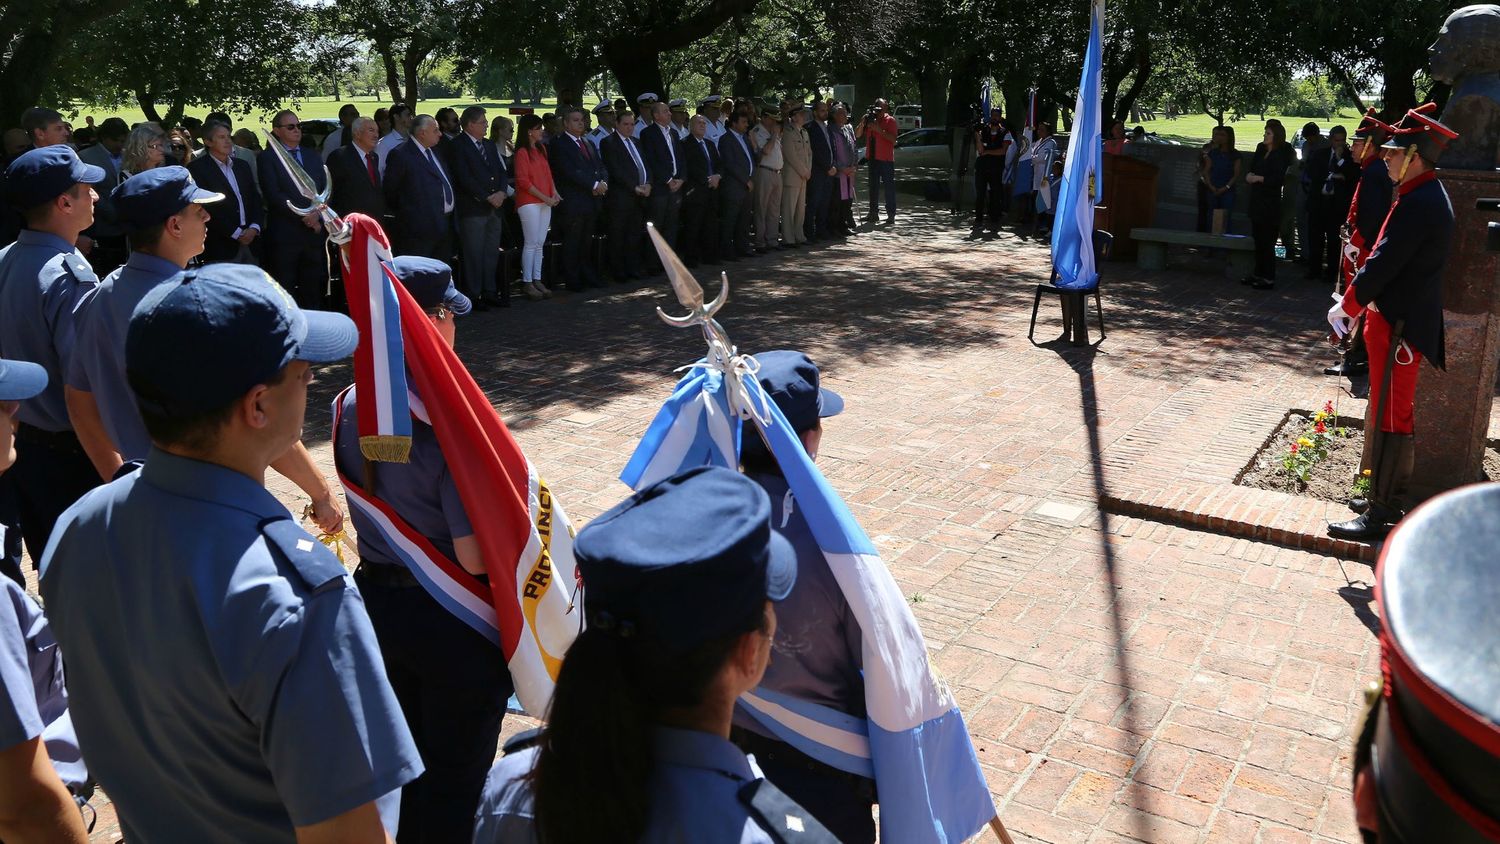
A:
(796, 150)
(766, 138)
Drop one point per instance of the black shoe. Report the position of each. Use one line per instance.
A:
(494, 300)
(1336, 369)
(1359, 369)
(1370, 525)
(1263, 284)
(1359, 504)
(480, 305)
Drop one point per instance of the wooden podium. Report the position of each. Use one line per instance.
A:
(1129, 202)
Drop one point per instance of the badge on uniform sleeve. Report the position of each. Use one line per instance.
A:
(80, 268)
(310, 559)
(781, 817)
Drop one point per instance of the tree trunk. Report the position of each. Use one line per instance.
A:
(637, 66)
(1126, 101)
(932, 85)
(568, 78)
(147, 101)
(869, 85)
(411, 63)
(1400, 90)
(963, 92)
(392, 72)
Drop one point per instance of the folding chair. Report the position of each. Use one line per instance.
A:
(1074, 303)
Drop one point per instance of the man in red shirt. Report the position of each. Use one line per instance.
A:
(878, 130)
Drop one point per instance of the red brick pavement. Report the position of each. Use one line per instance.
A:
(1123, 679)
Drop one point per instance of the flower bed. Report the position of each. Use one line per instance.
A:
(1311, 453)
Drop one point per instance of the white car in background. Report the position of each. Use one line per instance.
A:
(920, 148)
(908, 117)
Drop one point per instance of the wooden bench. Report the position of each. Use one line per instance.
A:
(1152, 248)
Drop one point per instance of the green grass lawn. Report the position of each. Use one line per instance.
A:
(1195, 129)
(308, 109)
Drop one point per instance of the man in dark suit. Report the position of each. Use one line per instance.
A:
(629, 189)
(355, 168)
(481, 182)
(820, 184)
(734, 190)
(296, 247)
(659, 145)
(420, 193)
(234, 230)
(697, 239)
(582, 182)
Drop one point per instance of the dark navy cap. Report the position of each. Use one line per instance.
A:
(685, 560)
(20, 379)
(41, 175)
(207, 335)
(430, 282)
(791, 380)
(148, 198)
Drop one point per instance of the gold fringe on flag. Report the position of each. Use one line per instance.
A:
(386, 449)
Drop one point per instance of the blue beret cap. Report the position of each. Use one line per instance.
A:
(43, 174)
(207, 335)
(430, 282)
(684, 561)
(20, 380)
(148, 198)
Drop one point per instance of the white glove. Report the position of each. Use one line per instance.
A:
(1340, 321)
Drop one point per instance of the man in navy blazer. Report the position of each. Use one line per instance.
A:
(582, 182)
(480, 183)
(234, 231)
(629, 190)
(421, 195)
(355, 168)
(697, 238)
(819, 223)
(734, 190)
(296, 247)
(659, 143)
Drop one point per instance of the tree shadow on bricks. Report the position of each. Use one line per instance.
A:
(1081, 360)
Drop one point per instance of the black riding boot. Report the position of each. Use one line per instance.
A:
(1398, 455)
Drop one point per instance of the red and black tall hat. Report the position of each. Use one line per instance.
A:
(1373, 129)
(1435, 753)
(1421, 130)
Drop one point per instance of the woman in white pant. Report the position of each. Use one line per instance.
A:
(535, 197)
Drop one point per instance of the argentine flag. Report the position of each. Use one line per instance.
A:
(913, 743)
(1083, 173)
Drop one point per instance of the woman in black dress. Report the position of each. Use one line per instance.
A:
(1267, 173)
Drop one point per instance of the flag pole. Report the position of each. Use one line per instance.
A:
(999, 829)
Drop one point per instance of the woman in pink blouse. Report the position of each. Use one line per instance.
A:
(535, 197)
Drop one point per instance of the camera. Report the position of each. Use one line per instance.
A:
(872, 114)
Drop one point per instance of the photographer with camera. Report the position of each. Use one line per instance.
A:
(991, 143)
(878, 130)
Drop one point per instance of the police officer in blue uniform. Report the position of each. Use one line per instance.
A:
(42, 278)
(39, 759)
(678, 585)
(164, 213)
(816, 655)
(452, 682)
(227, 684)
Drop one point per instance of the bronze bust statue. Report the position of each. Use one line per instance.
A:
(1466, 55)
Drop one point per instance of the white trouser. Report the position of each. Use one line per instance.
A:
(535, 219)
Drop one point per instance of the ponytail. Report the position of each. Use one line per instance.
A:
(595, 760)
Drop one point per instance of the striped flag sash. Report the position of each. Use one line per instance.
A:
(913, 740)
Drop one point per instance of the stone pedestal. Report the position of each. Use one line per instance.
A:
(1453, 407)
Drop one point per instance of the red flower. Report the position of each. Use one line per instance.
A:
(1294, 448)
(1328, 408)
(1320, 428)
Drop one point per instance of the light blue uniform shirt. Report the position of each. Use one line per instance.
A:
(42, 279)
(35, 699)
(695, 795)
(98, 362)
(225, 679)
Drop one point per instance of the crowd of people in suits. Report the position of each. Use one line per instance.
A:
(546, 203)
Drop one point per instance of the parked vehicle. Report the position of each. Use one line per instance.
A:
(316, 129)
(908, 117)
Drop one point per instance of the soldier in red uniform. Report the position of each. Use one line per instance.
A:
(1399, 290)
(1368, 210)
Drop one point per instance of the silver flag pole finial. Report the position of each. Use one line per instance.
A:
(690, 294)
(338, 231)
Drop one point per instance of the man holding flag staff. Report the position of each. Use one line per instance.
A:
(1372, 202)
(1399, 291)
(451, 680)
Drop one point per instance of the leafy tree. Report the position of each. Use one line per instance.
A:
(1359, 45)
(407, 35)
(34, 36)
(242, 55)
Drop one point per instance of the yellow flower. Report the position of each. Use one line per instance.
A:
(1304, 442)
(1366, 473)
(1319, 416)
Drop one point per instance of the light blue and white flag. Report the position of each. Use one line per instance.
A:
(1083, 173)
(913, 742)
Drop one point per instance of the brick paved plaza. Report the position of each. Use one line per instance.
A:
(1124, 679)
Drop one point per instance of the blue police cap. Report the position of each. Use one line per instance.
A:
(205, 336)
(791, 380)
(148, 198)
(21, 380)
(684, 561)
(430, 282)
(43, 174)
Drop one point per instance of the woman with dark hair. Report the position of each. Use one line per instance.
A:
(1221, 171)
(536, 196)
(678, 626)
(1267, 173)
(1114, 139)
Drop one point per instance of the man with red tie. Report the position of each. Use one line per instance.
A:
(582, 183)
(356, 173)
